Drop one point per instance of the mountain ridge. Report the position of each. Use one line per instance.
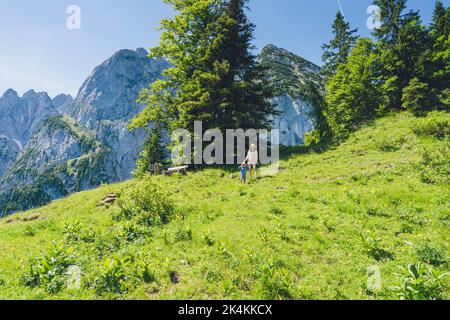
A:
(48, 153)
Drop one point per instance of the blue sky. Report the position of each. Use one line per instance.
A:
(39, 52)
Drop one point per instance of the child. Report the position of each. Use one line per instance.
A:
(244, 169)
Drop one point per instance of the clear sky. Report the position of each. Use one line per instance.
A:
(39, 52)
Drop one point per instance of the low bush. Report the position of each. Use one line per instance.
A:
(391, 143)
(372, 246)
(146, 205)
(76, 232)
(275, 281)
(181, 234)
(144, 272)
(50, 269)
(112, 276)
(430, 254)
(419, 282)
(132, 232)
(436, 124)
(434, 165)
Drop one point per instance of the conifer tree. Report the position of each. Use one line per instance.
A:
(403, 45)
(439, 67)
(215, 78)
(153, 153)
(336, 52)
(353, 95)
(391, 19)
(440, 25)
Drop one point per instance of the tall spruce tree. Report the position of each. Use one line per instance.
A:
(440, 25)
(153, 153)
(403, 46)
(336, 52)
(439, 68)
(391, 19)
(215, 78)
(353, 94)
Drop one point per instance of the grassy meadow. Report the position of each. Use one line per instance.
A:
(333, 223)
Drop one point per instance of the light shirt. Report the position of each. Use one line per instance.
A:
(252, 157)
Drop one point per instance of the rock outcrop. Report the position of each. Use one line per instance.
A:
(295, 80)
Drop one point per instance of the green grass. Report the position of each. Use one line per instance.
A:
(309, 232)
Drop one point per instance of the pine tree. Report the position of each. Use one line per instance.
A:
(153, 153)
(440, 25)
(336, 52)
(439, 67)
(416, 97)
(404, 45)
(391, 19)
(353, 95)
(215, 77)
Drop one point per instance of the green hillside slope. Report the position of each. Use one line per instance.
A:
(311, 231)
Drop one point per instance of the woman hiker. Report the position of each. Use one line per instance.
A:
(252, 160)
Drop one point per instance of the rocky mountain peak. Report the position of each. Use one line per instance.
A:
(111, 90)
(61, 100)
(10, 94)
(295, 80)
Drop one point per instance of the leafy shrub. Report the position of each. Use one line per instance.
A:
(146, 204)
(434, 166)
(391, 143)
(75, 232)
(207, 239)
(327, 223)
(183, 235)
(29, 232)
(132, 232)
(417, 97)
(50, 269)
(276, 211)
(112, 276)
(263, 234)
(275, 282)
(372, 247)
(419, 282)
(436, 124)
(313, 137)
(144, 272)
(430, 254)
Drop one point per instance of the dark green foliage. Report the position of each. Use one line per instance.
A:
(408, 67)
(337, 51)
(154, 152)
(405, 58)
(147, 205)
(417, 97)
(434, 165)
(436, 124)
(419, 282)
(372, 246)
(50, 269)
(431, 254)
(439, 66)
(440, 25)
(391, 17)
(112, 276)
(353, 94)
(215, 77)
